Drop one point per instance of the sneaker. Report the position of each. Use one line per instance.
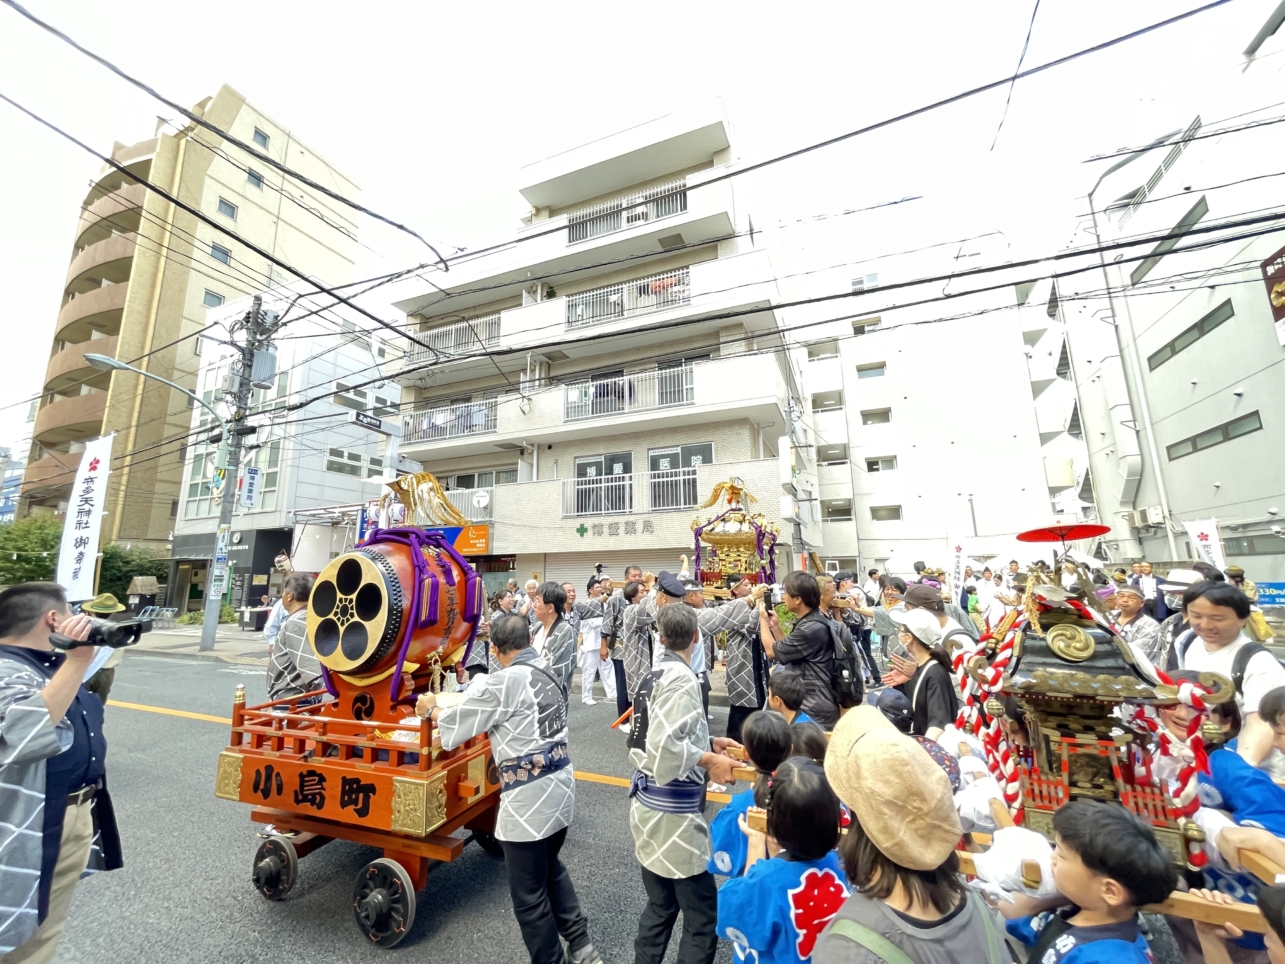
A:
(624, 728)
(590, 702)
(586, 955)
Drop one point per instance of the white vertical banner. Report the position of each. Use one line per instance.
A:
(957, 564)
(1206, 543)
(78, 553)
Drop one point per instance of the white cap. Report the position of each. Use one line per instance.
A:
(922, 623)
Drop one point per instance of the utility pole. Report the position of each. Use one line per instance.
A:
(258, 335)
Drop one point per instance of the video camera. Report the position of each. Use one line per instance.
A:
(104, 632)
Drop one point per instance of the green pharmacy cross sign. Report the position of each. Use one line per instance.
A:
(582, 530)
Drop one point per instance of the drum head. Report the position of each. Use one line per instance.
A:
(355, 612)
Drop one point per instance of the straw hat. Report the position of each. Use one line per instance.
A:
(899, 795)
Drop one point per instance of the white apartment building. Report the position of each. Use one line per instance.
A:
(1181, 370)
(937, 424)
(588, 384)
(309, 458)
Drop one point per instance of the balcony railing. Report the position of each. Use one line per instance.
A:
(626, 212)
(461, 338)
(638, 392)
(627, 494)
(450, 421)
(639, 296)
(466, 501)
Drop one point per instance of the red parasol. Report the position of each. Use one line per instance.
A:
(1063, 533)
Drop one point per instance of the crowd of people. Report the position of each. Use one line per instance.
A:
(844, 708)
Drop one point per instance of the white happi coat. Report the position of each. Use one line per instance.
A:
(523, 710)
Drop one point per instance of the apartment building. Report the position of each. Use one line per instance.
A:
(142, 274)
(939, 422)
(1180, 364)
(309, 458)
(585, 387)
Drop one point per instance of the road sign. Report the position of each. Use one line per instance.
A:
(221, 547)
(251, 483)
(369, 421)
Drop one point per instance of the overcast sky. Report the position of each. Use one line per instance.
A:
(431, 108)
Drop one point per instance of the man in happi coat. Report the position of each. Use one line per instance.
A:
(746, 668)
(522, 708)
(640, 625)
(553, 637)
(613, 630)
(673, 756)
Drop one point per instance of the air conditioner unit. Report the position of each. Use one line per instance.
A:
(1137, 518)
(1155, 515)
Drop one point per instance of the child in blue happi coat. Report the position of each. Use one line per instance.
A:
(794, 883)
(1106, 865)
(766, 738)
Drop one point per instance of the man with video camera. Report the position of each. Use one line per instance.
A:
(52, 758)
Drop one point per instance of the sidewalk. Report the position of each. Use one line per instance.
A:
(231, 645)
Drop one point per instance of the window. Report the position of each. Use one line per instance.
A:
(219, 253)
(345, 463)
(506, 477)
(836, 510)
(1215, 436)
(876, 370)
(1193, 334)
(827, 401)
(832, 454)
(865, 282)
(1189, 221)
(876, 416)
(254, 178)
(261, 138)
(360, 401)
(865, 326)
(673, 483)
(887, 463)
(212, 299)
(227, 208)
(823, 349)
(174, 509)
(885, 513)
(1253, 546)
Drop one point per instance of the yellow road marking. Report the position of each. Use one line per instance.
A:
(166, 711)
(169, 712)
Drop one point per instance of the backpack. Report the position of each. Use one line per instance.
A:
(846, 678)
(885, 950)
(1238, 665)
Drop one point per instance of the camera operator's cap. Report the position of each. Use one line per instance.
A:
(671, 585)
(1234, 571)
(1180, 580)
(899, 795)
(921, 622)
(926, 597)
(104, 602)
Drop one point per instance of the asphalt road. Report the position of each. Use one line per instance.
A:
(185, 895)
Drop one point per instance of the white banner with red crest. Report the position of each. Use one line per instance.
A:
(1206, 543)
(78, 554)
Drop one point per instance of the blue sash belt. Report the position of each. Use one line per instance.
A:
(527, 769)
(678, 796)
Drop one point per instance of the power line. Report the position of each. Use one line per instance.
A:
(201, 121)
(200, 216)
(1202, 135)
(1020, 60)
(886, 122)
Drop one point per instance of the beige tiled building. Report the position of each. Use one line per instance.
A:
(587, 385)
(142, 274)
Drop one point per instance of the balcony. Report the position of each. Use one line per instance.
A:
(639, 392)
(473, 335)
(50, 472)
(629, 494)
(70, 419)
(466, 502)
(99, 309)
(835, 480)
(451, 421)
(651, 509)
(720, 389)
(69, 366)
(122, 210)
(641, 207)
(628, 298)
(107, 260)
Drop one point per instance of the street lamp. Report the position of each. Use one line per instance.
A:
(213, 601)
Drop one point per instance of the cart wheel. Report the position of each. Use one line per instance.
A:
(488, 843)
(276, 868)
(383, 901)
